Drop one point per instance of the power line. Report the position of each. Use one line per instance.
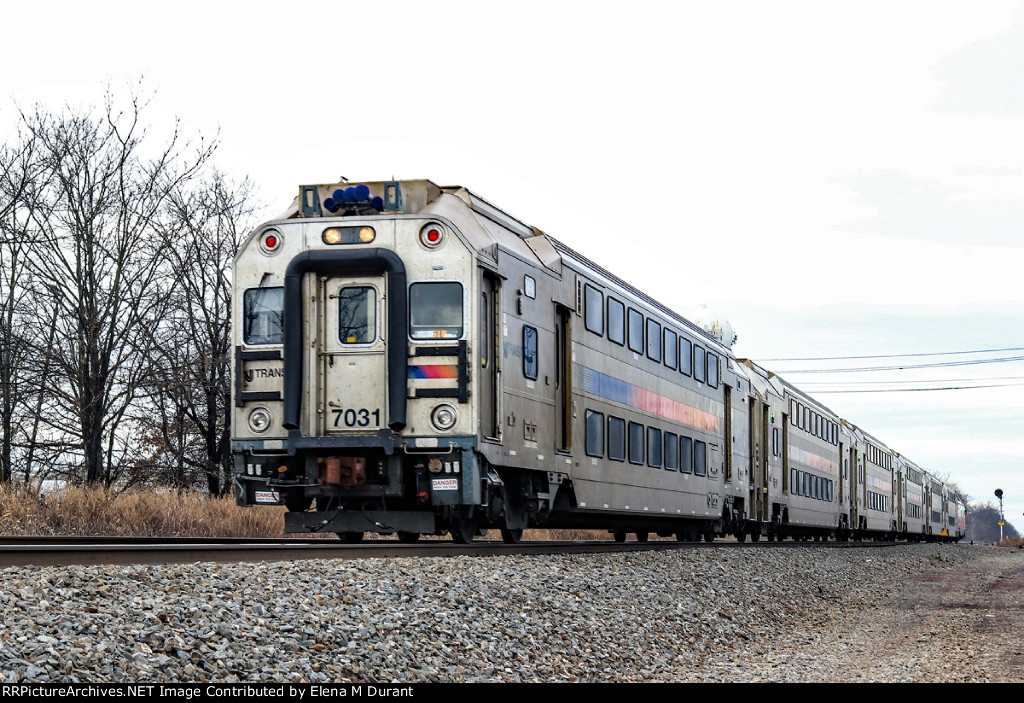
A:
(901, 367)
(895, 356)
(917, 390)
(929, 380)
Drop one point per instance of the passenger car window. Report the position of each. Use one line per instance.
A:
(616, 438)
(671, 347)
(700, 458)
(671, 451)
(685, 455)
(636, 331)
(636, 443)
(593, 302)
(653, 447)
(685, 356)
(654, 340)
(530, 352)
(616, 321)
(712, 370)
(595, 433)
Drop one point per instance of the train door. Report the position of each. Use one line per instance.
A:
(563, 379)
(901, 490)
(764, 479)
(728, 433)
(843, 471)
(854, 481)
(759, 474)
(353, 363)
(489, 346)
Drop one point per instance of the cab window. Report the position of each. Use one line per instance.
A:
(263, 310)
(435, 310)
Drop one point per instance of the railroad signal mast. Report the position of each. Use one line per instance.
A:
(1002, 520)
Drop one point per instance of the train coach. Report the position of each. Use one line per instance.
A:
(410, 359)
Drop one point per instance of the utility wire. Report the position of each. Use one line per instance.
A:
(895, 356)
(824, 391)
(923, 380)
(901, 367)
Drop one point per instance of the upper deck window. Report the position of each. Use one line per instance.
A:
(594, 307)
(653, 340)
(616, 321)
(699, 363)
(635, 328)
(685, 356)
(671, 347)
(435, 310)
(263, 312)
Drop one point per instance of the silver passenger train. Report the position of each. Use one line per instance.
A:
(410, 359)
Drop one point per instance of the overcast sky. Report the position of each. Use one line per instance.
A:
(836, 179)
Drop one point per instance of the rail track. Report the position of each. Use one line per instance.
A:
(65, 551)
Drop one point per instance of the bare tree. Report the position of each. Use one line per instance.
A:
(22, 171)
(206, 219)
(100, 258)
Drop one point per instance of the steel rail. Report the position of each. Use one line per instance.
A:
(66, 551)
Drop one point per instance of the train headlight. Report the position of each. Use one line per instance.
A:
(259, 419)
(444, 417)
(349, 235)
(270, 241)
(432, 235)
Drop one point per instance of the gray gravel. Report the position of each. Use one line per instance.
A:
(805, 614)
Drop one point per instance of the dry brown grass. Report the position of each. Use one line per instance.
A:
(1015, 542)
(140, 513)
(144, 513)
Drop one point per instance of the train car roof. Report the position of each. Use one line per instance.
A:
(488, 225)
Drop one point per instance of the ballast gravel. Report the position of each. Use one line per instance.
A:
(906, 613)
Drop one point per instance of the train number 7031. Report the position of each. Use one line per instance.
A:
(353, 417)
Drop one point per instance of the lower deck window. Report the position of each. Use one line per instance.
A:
(636, 443)
(595, 433)
(616, 439)
(700, 458)
(671, 451)
(653, 447)
(685, 455)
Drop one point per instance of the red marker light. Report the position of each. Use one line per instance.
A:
(270, 241)
(431, 235)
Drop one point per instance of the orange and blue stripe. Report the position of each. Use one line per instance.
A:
(619, 391)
